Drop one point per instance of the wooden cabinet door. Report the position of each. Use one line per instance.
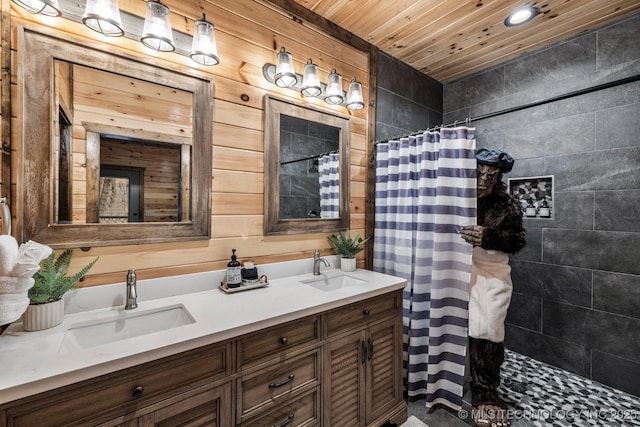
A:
(384, 368)
(344, 381)
(362, 382)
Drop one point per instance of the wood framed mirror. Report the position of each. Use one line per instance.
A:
(114, 151)
(306, 169)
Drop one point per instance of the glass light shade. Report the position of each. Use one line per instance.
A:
(43, 7)
(204, 49)
(310, 80)
(103, 16)
(355, 101)
(285, 75)
(334, 95)
(157, 33)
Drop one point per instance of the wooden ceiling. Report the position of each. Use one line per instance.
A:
(449, 39)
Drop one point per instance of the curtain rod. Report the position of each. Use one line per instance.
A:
(309, 157)
(579, 92)
(467, 121)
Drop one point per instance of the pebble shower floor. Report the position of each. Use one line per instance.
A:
(546, 396)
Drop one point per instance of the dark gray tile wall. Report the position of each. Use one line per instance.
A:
(576, 301)
(407, 100)
(299, 185)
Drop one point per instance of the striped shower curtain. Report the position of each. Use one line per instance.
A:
(426, 190)
(329, 185)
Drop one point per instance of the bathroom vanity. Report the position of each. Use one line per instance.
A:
(304, 351)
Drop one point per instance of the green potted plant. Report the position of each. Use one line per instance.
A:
(348, 247)
(46, 306)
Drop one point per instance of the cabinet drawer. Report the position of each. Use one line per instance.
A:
(276, 341)
(100, 399)
(204, 406)
(299, 411)
(362, 313)
(268, 387)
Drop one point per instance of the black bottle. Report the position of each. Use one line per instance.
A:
(531, 209)
(234, 271)
(544, 210)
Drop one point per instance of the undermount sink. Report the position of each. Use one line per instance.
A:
(127, 324)
(332, 280)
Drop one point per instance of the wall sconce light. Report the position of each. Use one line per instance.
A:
(103, 16)
(310, 80)
(157, 33)
(354, 96)
(334, 94)
(285, 75)
(43, 7)
(204, 50)
(154, 30)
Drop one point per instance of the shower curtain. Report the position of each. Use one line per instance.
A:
(329, 185)
(426, 190)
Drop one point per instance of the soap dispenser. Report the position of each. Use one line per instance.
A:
(531, 208)
(545, 210)
(234, 271)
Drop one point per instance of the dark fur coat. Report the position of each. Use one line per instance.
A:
(501, 216)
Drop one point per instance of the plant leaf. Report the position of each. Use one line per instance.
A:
(51, 282)
(346, 245)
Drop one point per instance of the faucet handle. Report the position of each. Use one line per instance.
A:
(131, 276)
(316, 253)
(132, 292)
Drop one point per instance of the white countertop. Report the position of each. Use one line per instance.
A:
(30, 363)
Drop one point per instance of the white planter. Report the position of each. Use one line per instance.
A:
(13, 298)
(43, 316)
(348, 264)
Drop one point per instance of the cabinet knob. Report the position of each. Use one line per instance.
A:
(284, 340)
(138, 390)
(366, 312)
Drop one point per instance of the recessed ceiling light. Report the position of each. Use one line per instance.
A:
(522, 15)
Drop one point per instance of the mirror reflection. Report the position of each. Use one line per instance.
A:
(136, 139)
(309, 169)
(306, 168)
(116, 150)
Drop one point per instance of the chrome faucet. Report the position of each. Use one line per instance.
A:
(132, 291)
(316, 262)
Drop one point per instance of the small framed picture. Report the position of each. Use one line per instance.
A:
(535, 195)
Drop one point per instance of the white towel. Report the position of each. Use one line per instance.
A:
(13, 298)
(17, 265)
(412, 421)
(29, 256)
(490, 291)
(8, 254)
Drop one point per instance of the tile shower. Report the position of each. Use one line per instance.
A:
(576, 302)
(542, 395)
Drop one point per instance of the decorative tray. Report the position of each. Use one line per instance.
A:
(244, 287)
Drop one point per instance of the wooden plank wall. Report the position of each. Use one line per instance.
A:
(5, 103)
(105, 99)
(249, 33)
(161, 165)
